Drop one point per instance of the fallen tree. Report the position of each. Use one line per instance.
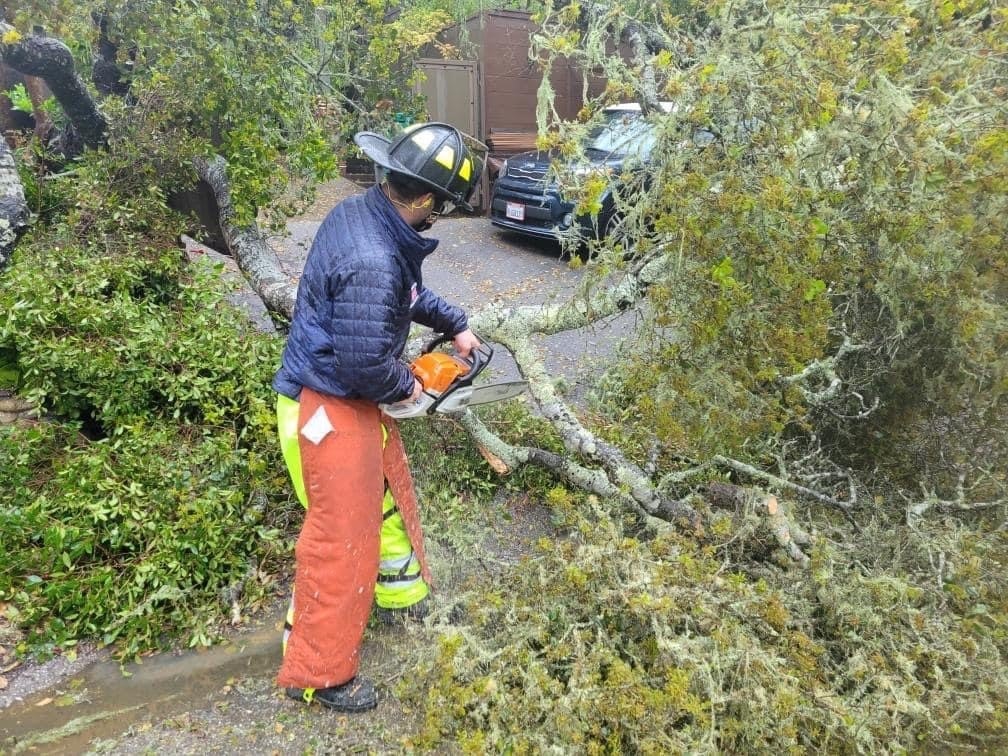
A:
(818, 297)
(591, 463)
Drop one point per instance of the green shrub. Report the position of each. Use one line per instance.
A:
(148, 500)
(134, 539)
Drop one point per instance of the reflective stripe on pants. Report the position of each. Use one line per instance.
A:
(399, 581)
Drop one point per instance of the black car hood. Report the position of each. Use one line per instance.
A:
(534, 162)
(539, 161)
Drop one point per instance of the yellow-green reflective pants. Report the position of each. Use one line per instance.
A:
(399, 581)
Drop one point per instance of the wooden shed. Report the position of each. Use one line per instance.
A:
(491, 91)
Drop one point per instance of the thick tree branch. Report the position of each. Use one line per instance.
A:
(13, 207)
(771, 513)
(255, 257)
(754, 472)
(513, 330)
(14, 410)
(52, 61)
(649, 87)
(577, 312)
(567, 469)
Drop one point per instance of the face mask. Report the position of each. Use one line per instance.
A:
(427, 223)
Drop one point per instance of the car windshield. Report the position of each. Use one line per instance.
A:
(622, 133)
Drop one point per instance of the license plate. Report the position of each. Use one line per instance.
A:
(515, 211)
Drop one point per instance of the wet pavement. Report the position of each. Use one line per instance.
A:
(105, 697)
(219, 700)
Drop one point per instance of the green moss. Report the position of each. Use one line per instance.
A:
(660, 651)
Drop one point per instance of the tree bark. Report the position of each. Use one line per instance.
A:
(257, 260)
(13, 207)
(51, 60)
(105, 73)
(649, 88)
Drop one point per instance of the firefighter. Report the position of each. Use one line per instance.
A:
(361, 289)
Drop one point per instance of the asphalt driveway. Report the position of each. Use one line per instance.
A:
(476, 264)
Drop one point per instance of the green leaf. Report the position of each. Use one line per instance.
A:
(813, 289)
(722, 273)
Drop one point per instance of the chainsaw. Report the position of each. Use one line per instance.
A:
(447, 382)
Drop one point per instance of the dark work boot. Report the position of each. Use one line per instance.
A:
(356, 695)
(412, 613)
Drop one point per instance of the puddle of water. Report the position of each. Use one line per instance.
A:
(101, 702)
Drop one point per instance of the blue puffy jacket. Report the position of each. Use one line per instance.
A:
(359, 292)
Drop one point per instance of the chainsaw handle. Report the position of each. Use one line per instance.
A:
(430, 346)
(479, 358)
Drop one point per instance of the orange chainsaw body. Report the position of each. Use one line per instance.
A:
(437, 370)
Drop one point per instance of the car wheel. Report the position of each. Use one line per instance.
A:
(615, 233)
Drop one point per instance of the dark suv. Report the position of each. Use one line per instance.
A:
(526, 199)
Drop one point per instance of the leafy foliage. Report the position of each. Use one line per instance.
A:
(136, 539)
(655, 647)
(134, 518)
(830, 306)
(834, 260)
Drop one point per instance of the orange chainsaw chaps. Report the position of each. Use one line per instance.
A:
(437, 370)
(337, 551)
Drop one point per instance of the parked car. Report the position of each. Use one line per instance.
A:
(528, 200)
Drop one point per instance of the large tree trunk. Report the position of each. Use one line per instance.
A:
(13, 208)
(51, 60)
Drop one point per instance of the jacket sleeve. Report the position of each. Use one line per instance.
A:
(364, 305)
(432, 311)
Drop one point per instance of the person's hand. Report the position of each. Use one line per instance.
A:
(465, 342)
(417, 390)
